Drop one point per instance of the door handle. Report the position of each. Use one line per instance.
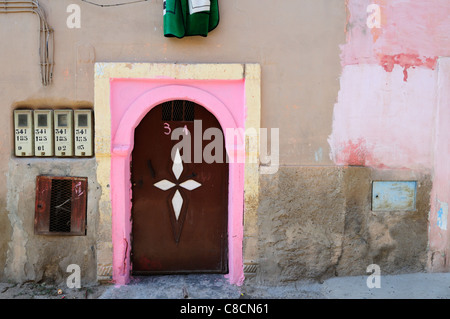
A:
(140, 182)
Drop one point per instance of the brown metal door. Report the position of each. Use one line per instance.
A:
(180, 208)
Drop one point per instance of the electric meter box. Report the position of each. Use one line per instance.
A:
(23, 133)
(63, 122)
(43, 133)
(83, 132)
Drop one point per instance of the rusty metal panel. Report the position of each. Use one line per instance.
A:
(42, 207)
(79, 206)
(394, 195)
(60, 205)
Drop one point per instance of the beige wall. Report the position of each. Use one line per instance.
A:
(296, 42)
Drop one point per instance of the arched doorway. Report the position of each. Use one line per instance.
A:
(124, 94)
(180, 198)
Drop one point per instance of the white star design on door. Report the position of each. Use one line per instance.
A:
(177, 199)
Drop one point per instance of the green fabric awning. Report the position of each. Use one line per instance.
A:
(190, 17)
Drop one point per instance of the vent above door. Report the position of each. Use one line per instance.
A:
(178, 110)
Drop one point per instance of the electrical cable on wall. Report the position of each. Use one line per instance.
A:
(46, 33)
(113, 4)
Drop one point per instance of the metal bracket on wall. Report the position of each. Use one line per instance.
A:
(46, 33)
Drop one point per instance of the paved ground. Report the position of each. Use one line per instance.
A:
(408, 286)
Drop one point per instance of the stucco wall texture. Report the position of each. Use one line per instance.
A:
(392, 101)
(353, 105)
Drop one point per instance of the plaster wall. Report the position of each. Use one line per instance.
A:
(296, 44)
(392, 102)
(440, 197)
(389, 84)
(328, 229)
(340, 93)
(44, 258)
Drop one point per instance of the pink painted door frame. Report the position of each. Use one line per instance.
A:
(125, 117)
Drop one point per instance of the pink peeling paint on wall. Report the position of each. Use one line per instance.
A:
(357, 153)
(411, 34)
(386, 105)
(406, 61)
(393, 107)
(382, 121)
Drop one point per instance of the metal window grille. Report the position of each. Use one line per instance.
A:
(61, 204)
(178, 110)
(167, 111)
